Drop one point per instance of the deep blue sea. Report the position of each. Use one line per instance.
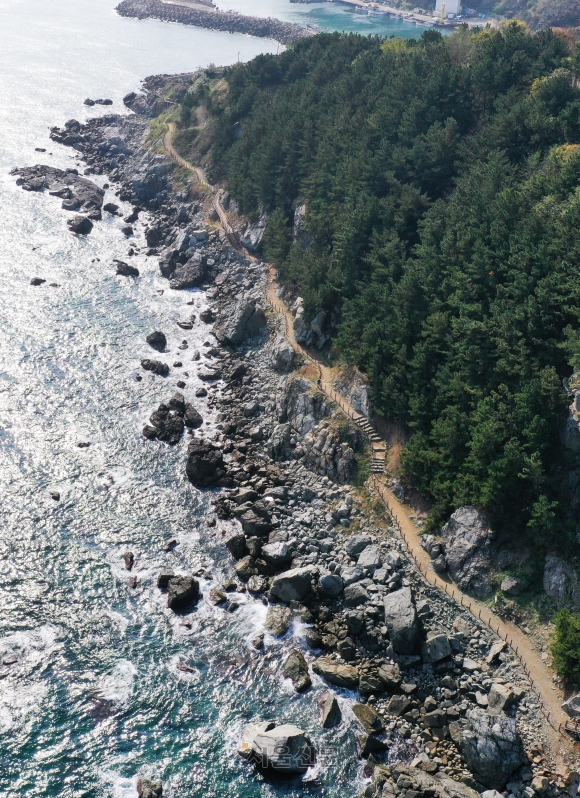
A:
(90, 692)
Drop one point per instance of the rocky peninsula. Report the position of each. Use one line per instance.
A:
(439, 705)
(283, 32)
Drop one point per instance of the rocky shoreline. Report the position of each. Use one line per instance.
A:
(283, 32)
(441, 706)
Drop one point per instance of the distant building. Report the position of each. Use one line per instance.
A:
(451, 7)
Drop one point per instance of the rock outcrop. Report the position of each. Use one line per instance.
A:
(205, 464)
(561, 581)
(285, 749)
(490, 745)
(239, 320)
(401, 620)
(467, 550)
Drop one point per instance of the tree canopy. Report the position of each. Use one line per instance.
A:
(441, 181)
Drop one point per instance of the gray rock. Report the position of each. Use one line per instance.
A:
(81, 225)
(513, 586)
(278, 620)
(283, 357)
(285, 749)
(436, 647)
(467, 550)
(335, 673)
(390, 675)
(157, 340)
(560, 581)
(276, 554)
(355, 545)
(253, 233)
(238, 320)
(156, 366)
(355, 595)
(147, 788)
(572, 706)
(490, 746)
(398, 705)
(401, 620)
(368, 718)
(182, 591)
(330, 586)
(370, 558)
(331, 714)
(350, 575)
(296, 669)
(499, 698)
(292, 585)
(191, 417)
(190, 275)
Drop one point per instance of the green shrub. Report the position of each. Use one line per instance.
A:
(565, 647)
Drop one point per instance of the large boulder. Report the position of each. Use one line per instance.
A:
(467, 550)
(357, 544)
(166, 425)
(368, 718)
(237, 321)
(252, 235)
(147, 788)
(182, 591)
(155, 366)
(331, 714)
(335, 673)
(286, 749)
(572, 706)
(292, 585)
(490, 745)
(370, 558)
(81, 225)
(296, 669)
(329, 585)
(283, 356)
(191, 417)
(278, 620)
(500, 697)
(189, 275)
(436, 647)
(401, 620)
(277, 554)
(157, 340)
(205, 463)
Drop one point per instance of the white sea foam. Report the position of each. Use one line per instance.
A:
(117, 686)
(119, 786)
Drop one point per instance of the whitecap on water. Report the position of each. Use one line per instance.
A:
(116, 687)
(31, 648)
(115, 478)
(182, 670)
(19, 700)
(119, 786)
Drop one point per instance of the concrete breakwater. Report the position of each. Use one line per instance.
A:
(283, 32)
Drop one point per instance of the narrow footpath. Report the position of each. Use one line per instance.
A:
(549, 695)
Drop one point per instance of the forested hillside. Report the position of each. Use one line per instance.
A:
(441, 180)
(537, 13)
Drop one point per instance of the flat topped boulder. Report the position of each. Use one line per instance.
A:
(292, 585)
(336, 673)
(285, 749)
(401, 620)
